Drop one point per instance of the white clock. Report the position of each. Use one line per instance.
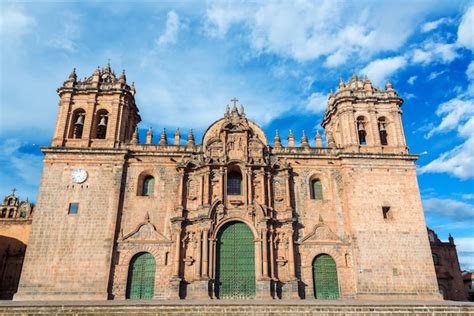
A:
(79, 175)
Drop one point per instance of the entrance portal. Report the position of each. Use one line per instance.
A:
(141, 277)
(235, 266)
(325, 282)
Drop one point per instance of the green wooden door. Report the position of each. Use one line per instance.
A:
(325, 278)
(235, 273)
(141, 277)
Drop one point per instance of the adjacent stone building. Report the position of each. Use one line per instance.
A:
(15, 227)
(448, 272)
(233, 216)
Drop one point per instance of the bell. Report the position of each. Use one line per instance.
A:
(102, 121)
(80, 120)
(360, 126)
(382, 127)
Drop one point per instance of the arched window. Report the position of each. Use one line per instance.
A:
(11, 213)
(361, 130)
(4, 213)
(101, 124)
(77, 124)
(316, 189)
(383, 131)
(148, 187)
(234, 183)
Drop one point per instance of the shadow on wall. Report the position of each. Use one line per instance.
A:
(12, 253)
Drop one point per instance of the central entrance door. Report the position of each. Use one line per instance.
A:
(235, 266)
(141, 277)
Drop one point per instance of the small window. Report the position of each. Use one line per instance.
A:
(102, 121)
(77, 124)
(234, 183)
(435, 259)
(386, 212)
(148, 186)
(4, 212)
(73, 208)
(316, 189)
(10, 214)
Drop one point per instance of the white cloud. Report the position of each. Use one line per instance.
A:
(435, 52)
(458, 210)
(170, 35)
(435, 74)
(465, 249)
(66, 36)
(316, 102)
(456, 115)
(381, 69)
(433, 25)
(14, 23)
(306, 30)
(470, 76)
(466, 29)
(412, 79)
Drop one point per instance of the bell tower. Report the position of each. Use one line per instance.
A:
(98, 111)
(362, 118)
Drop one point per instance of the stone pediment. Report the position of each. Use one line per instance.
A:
(146, 233)
(320, 233)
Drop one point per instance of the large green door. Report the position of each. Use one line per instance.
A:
(141, 277)
(235, 273)
(325, 278)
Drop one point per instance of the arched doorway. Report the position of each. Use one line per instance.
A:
(325, 282)
(141, 277)
(235, 266)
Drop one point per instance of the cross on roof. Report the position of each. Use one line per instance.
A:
(13, 191)
(235, 101)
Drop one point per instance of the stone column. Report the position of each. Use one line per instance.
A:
(177, 254)
(224, 187)
(197, 267)
(258, 259)
(291, 255)
(180, 189)
(205, 260)
(262, 188)
(288, 193)
(206, 187)
(265, 252)
(272, 255)
(245, 178)
(249, 186)
(269, 189)
(290, 288)
(374, 128)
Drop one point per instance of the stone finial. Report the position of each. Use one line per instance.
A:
(107, 68)
(367, 84)
(72, 75)
(132, 89)
(149, 136)
(191, 138)
(304, 140)
(242, 111)
(389, 86)
(451, 239)
(291, 139)
(135, 140)
(163, 138)
(123, 78)
(177, 136)
(319, 140)
(277, 140)
(341, 84)
(96, 75)
(227, 110)
(354, 77)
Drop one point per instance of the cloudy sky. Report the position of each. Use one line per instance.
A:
(280, 59)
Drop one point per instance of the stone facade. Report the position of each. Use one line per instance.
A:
(448, 272)
(105, 199)
(15, 227)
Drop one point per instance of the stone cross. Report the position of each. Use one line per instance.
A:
(235, 101)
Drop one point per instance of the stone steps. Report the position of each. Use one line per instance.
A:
(135, 308)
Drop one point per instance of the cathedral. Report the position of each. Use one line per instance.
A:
(231, 216)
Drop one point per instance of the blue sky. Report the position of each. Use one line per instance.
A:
(281, 60)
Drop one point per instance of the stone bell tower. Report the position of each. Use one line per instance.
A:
(362, 118)
(99, 111)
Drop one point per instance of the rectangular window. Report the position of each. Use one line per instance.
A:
(386, 212)
(73, 208)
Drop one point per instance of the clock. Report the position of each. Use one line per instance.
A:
(79, 175)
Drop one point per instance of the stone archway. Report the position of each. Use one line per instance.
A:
(235, 262)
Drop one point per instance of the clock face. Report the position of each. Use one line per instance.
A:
(79, 175)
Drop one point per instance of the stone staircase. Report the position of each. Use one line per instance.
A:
(132, 308)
